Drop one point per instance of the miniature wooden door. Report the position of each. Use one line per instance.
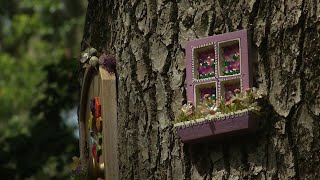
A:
(217, 65)
(98, 125)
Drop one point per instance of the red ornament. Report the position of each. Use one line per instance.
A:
(94, 150)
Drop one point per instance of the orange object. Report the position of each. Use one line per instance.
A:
(99, 123)
(97, 105)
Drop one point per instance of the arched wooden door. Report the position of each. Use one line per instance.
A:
(98, 125)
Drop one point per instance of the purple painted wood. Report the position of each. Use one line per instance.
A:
(219, 129)
(217, 40)
(198, 55)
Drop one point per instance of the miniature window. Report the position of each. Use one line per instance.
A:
(217, 66)
(229, 87)
(204, 62)
(205, 89)
(229, 58)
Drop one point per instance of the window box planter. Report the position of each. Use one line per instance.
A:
(198, 130)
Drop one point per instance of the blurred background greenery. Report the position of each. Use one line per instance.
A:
(39, 89)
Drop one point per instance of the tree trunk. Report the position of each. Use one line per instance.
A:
(148, 38)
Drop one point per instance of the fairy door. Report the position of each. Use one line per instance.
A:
(98, 125)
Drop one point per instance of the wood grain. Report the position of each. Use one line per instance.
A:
(108, 92)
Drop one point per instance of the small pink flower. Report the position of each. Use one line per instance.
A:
(248, 90)
(237, 91)
(206, 96)
(188, 109)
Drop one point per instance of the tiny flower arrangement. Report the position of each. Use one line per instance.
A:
(213, 109)
(78, 172)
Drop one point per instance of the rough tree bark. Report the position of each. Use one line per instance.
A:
(148, 38)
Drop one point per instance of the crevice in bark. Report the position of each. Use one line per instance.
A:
(244, 161)
(168, 107)
(170, 147)
(226, 159)
(289, 129)
(253, 15)
(277, 154)
(267, 151)
(293, 112)
(269, 119)
(210, 166)
(229, 9)
(187, 162)
(296, 109)
(213, 19)
(300, 60)
(134, 120)
(155, 172)
(151, 90)
(240, 25)
(154, 19)
(264, 48)
(152, 103)
(124, 102)
(172, 49)
(137, 85)
(224, 14)
(137, 88)
(169, 92)
(285, 10)
(134, 29)
(135, 4)
(183, 79)
(252, 47)
(134, 20)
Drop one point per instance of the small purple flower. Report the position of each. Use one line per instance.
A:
(108, 62)
(201, 70)
(92, 105)
(78, 170)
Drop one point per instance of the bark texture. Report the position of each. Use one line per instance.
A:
(148, 38)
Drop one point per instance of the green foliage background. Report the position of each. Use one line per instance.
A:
(39, 40)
